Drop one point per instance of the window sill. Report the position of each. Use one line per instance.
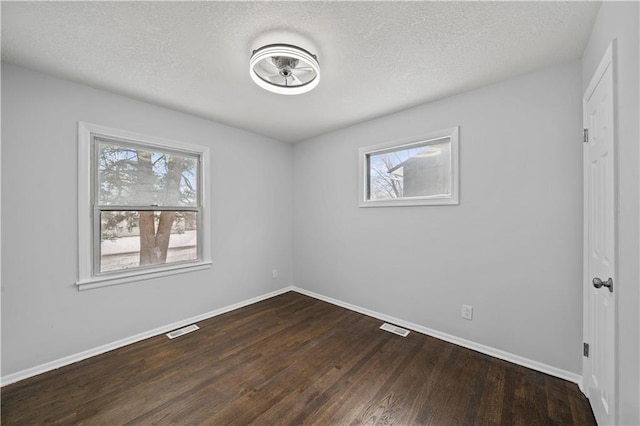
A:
(105, 281)
(407, 202)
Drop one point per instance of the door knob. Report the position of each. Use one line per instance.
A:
(597, 283)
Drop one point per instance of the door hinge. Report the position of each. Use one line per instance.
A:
(586, 136)
(585, 350)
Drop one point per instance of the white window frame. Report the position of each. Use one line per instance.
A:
(432, 200)
(86, 234)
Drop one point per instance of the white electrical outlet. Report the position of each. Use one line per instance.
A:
(467, 312)
(274, 274)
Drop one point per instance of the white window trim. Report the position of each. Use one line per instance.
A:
(86, 279)
(453, 199)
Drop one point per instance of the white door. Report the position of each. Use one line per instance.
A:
(600, 242)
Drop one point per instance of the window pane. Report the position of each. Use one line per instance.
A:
(422, 170)
(130, 175)
(131, 239)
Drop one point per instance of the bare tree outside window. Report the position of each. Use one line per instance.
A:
(420, 170)
(148, 206)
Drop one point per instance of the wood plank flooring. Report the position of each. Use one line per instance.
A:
(294, 360)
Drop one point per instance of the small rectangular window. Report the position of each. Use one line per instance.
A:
(144, 196)
(419, 171)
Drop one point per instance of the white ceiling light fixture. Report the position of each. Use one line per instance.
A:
(284, 69)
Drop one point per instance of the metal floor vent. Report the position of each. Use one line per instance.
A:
(183, 330)
(395, 330)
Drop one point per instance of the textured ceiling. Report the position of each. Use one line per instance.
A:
(376, 57)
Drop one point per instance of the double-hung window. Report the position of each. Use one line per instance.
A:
(141, 206)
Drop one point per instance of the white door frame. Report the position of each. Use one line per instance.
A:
(608, 60)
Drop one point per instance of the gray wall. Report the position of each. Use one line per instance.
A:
(620, 20)
(44, 317)
(512, 248)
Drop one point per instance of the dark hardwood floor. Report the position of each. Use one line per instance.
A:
(294, 360)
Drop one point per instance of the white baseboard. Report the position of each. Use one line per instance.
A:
(52, 365)
(497, 353)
